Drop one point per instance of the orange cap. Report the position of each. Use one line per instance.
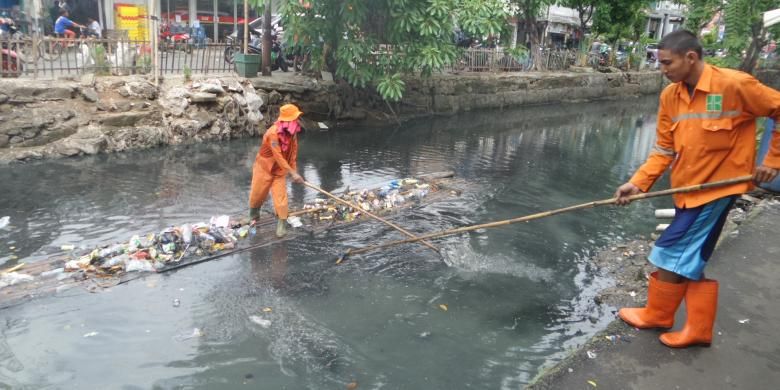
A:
(289, 113)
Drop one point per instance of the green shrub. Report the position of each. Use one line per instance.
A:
(187, 73)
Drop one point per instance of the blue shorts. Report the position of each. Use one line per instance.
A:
(686, 245)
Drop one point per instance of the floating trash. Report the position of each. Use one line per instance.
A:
(152, 252)
(222, 221)
(295, 222)
(4, 222)
(260, 321)
(11, 278)
(591, 354)
(91, 334)
(176, 302)
(745, 321)
(196, 333)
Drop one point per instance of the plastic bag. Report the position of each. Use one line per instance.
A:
(12, 278)
(139, 265)
(221, 221)
(294, 222)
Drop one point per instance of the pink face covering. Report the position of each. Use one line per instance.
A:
(285, 131)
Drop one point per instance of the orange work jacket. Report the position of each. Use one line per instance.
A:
(271, 159)
(710, 136)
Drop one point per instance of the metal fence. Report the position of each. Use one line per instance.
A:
(53, 57)
(538, 59)
(502, 60)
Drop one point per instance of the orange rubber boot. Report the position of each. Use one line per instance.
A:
(701, 304)
(663, 298)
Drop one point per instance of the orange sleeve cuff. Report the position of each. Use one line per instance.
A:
(650, 171)
(641, 180)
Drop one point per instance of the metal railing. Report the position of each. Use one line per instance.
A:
(54, 57)
(502, 60)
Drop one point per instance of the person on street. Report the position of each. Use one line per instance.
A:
(62, 24)
(706, 132)
(95, 30)
(276, 159)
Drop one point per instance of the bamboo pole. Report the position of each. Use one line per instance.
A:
(370, 214)
(671, 191)
(13, 269)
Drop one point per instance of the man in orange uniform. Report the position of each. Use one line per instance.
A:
(706, 132)
(276, 159)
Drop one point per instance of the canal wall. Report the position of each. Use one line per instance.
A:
(45, 118)
(450, 95)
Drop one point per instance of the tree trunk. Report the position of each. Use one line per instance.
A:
(532, 30)
(267, 39)
(754, 49)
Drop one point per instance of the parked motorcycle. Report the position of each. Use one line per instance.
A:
(278, 58)
(10, 60)
(175, 38)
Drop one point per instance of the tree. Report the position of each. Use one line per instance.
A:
(528, 13)
(745, 34)
(745, 31)
(267, 39)
(584, 9)
(700, 12)
(618, 19)
(377, 42)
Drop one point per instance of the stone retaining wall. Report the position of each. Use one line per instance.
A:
(87, 116)
(449, 95)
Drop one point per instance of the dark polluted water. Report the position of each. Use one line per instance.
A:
(286, 317)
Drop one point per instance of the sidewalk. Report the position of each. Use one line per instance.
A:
(744, 354)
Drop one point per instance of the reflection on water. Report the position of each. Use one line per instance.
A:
(285, 316)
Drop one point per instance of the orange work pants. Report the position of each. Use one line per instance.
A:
(262, 183)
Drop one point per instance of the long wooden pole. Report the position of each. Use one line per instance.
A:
(370, 214)
(671, 191)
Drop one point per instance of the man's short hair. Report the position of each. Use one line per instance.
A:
(680, 42)
(63, 11)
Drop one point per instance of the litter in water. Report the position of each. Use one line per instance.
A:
(4, 222)
(260, 321)
(295, 222)
(196, 332)
(591, 354)
(745, 321)
(11, 278)
(91, 334)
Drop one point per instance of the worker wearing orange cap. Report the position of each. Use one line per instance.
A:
(276, 159)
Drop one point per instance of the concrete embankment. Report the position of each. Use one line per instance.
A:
(43, 118)
(450, 94)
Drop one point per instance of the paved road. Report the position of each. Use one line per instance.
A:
(744, 354)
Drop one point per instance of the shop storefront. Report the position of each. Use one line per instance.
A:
(217, 18)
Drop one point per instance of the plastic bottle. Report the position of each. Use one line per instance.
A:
(114, 261)
(135, 243)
